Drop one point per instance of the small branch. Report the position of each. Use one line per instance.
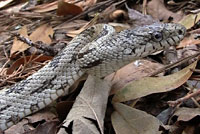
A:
(179, 62)
(38, 45)
(181, 100)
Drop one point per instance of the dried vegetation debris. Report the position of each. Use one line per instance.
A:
(30, 34)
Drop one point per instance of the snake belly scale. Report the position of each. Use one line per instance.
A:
(98, 51)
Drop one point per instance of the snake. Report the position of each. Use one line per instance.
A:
(98, 51)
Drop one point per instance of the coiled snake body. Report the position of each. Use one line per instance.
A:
(98, 51)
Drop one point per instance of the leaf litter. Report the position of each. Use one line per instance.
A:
(40, 22)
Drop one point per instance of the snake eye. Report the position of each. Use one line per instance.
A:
(157, 36)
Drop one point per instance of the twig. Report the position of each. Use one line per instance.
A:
(179, 62)
(38, 44)
(180, 100)
(144, 7)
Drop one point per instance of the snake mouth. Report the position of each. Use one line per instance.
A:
(175, 39)
(172, 41)
(177, 32)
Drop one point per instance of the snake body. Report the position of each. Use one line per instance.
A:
(98, 51)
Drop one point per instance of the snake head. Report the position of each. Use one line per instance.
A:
(148, 39)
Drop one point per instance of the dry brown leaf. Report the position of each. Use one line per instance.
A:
(186, 121)
(133, 71)
(139, 19)
(158, 11)
(42, 33)
(18, 128)
(150, 85)
(65, 8)
(21, 61)
(46, 128)
(24, 125)
(189, 20)
(19, 46)
(127, 120)
(186, 114)
(189, 41)
(46, 7)
(45, 115)
(89, 108)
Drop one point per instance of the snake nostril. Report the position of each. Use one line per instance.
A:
(180, 32)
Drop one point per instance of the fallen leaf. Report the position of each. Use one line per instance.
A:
(45, 114)
(189, 41)
(88, 109)
(189, 20)
(139, 19)
(150, 85)
(133, 71)
(158, 11)
(18, 128)
(19, 46)
(21, 61)
(186, 114)
(46, 7)
(65, 8)
(46, 128)
(23, 127)
(128, 120)
(42, 33)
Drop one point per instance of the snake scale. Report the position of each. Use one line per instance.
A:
(98, 51)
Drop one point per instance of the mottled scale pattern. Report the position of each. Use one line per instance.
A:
(98, 51)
